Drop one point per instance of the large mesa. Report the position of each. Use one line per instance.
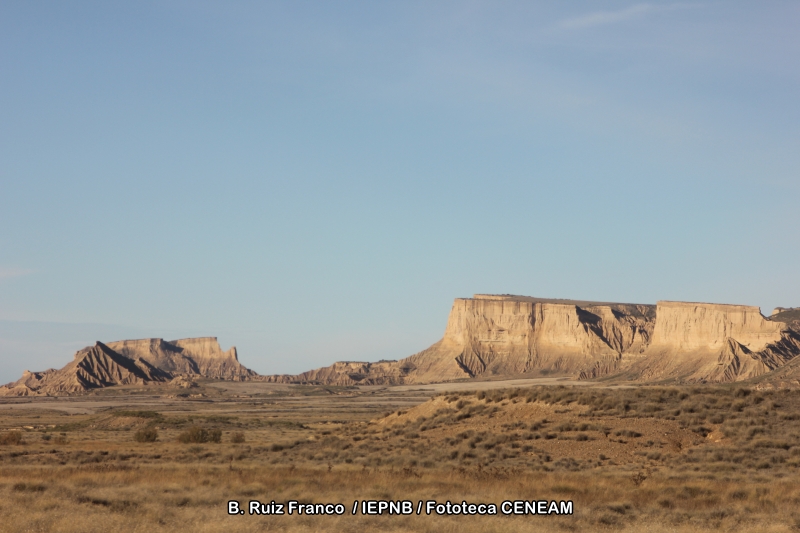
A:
(507, 335)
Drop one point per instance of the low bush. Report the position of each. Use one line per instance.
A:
(146, 435)
(137, 414)
(196, 434)
(11, 437)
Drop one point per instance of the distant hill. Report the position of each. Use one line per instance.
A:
(787, 316)
(133, 362)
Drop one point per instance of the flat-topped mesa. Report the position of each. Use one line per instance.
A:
(134, 362)
(647, 310)
(510, 335)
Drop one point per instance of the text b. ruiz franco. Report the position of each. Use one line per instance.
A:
(291, 507)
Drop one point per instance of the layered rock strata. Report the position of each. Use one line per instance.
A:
(517, 335)
(699, 342)
(133, 362)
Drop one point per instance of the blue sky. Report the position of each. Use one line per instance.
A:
(316, 181)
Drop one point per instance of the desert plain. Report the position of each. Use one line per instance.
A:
(630, 457)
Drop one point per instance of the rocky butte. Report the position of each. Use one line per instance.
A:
(134, 362)
(504, 335)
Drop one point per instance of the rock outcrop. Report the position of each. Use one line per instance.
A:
(507, 335)
(344, 373)
(200, 356)
(134, 362)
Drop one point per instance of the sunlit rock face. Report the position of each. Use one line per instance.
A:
(714, 342)
(504, 335)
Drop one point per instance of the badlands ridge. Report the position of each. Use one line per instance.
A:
(134, 362)
(490, 335)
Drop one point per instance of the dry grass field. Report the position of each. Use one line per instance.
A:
(630, 459)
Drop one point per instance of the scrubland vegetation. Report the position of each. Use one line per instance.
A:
(638, 459)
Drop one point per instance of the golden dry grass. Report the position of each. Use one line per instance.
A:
(193, 498)
(640, 459)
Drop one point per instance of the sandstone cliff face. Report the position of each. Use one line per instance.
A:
(134, 362)
(512, 335)
(699, 326)
(713, 342)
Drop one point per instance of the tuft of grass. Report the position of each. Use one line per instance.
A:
(28, 487)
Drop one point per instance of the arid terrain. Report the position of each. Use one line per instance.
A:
(629, 457)
(678, 416)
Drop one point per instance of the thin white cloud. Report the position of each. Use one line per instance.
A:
(604, 18)
(13, 272)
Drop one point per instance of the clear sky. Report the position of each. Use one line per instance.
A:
(316, 181)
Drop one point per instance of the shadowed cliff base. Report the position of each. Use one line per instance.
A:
(507, 335)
